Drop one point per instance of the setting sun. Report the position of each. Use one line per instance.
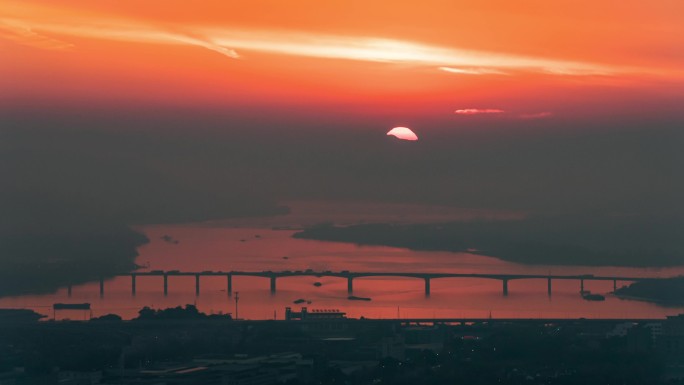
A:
(403, 133)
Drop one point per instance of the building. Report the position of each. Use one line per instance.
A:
(314, 315)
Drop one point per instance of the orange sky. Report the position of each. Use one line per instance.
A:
(429, 57)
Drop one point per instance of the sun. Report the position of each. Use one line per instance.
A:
(403, 133)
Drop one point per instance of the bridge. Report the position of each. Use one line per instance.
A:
(350, 276)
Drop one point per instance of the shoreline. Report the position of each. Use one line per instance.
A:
(659, 302)
(440, 238)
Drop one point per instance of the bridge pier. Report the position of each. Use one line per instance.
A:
(614, 284)
(101, 287)
(197, 284)
(505, 287)
(133, 284)
(69, 291)
(581, 286)
(548, 287)
(427, 287)
(273, 285)
(166, 285)
(350, 285)
(229, 284)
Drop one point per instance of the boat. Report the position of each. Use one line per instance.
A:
(317, 284)
(298, 301)
(355, 298)
(592, 297)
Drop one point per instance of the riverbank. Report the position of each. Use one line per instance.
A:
(665, 292)
(530, 242)
(42, 263)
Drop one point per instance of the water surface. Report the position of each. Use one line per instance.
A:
(222, 247)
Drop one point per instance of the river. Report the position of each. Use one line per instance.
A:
(256, 246)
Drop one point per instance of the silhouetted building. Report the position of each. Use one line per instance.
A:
(314, 315)
(670, 338)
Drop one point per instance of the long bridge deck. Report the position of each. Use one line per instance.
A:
(355, 274)
(351, 275)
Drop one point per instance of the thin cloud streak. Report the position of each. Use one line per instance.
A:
(486, 111)
(28, 37)
(227, 41)
(478, 111)
(231, 53)
(394, 51)
(122, 31)
(472, 71)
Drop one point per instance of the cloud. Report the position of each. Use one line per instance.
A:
(231, 53)
(228, 41)
(472, 71)
(22, 31)
(477, 111)
(26, 36)
(482, 111)
(372, 49)
(535, 115)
